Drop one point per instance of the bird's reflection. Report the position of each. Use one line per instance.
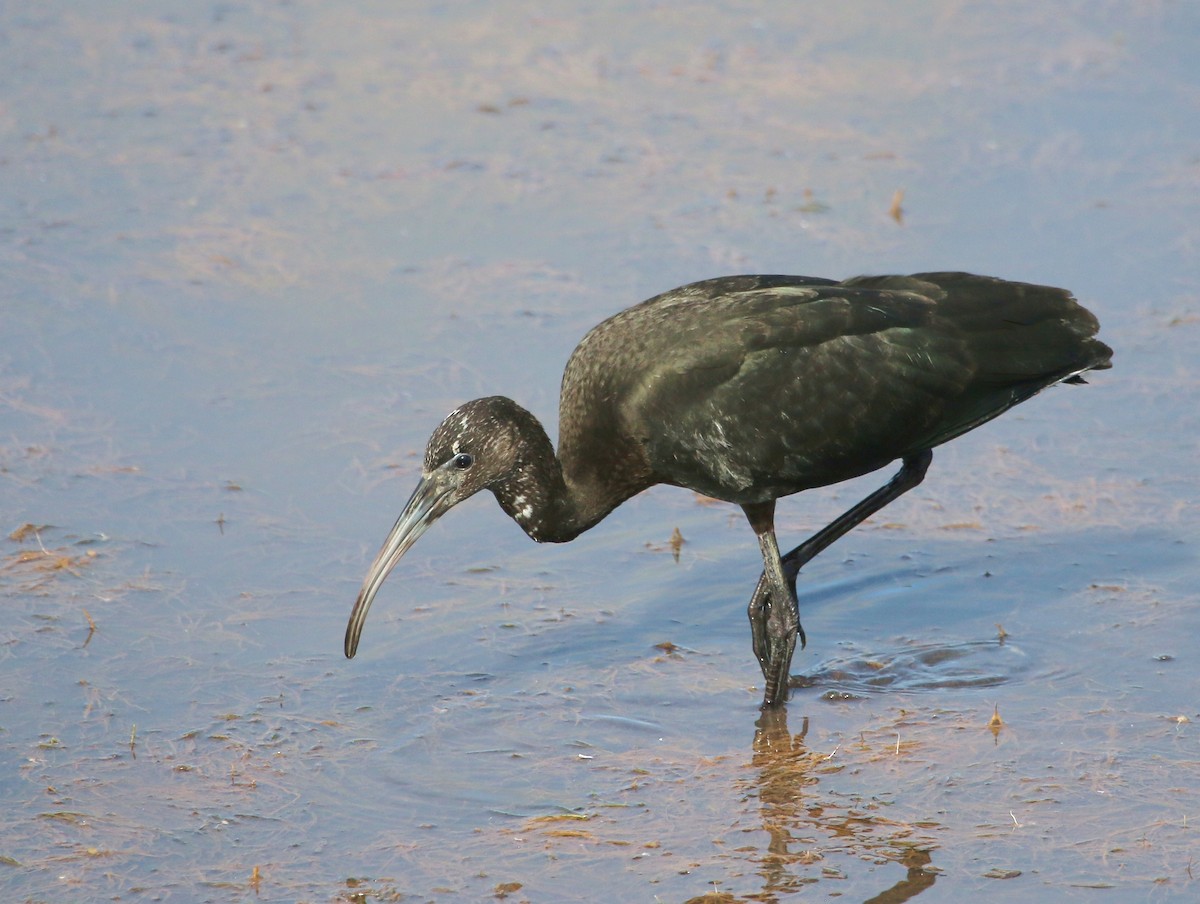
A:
(802, 824)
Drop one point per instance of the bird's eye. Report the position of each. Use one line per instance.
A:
(462, 461)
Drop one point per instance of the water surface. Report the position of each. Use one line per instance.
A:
(253, 253)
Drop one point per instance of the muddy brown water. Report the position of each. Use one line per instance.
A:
(253, 253)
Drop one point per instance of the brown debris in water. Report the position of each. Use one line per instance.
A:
(36, 568)
(995, 723)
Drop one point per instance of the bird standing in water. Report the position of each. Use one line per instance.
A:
(748, 389)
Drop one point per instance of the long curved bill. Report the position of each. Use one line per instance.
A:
(429, 501)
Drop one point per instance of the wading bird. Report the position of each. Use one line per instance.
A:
(748, 389)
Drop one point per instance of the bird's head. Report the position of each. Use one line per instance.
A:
(476, 447)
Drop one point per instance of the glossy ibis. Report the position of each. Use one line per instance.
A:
(747, 389)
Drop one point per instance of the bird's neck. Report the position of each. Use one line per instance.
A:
(555, 498)
(537, 495)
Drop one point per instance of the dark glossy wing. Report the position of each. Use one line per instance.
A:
(777, 388)
(1021, 338)
(686, 331)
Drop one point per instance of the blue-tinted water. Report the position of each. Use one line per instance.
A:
(252, 255)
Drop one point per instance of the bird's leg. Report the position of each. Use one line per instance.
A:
(911, 473)
(775, 622)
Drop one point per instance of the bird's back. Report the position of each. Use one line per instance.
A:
(753, 387)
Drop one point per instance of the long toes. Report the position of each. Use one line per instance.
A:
(776, 671)
(776, 691)
(775, 628)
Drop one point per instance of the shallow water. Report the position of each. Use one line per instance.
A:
(254, 253)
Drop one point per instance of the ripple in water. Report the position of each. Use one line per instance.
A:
(918, 667)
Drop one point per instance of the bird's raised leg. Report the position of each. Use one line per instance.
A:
(911, 473)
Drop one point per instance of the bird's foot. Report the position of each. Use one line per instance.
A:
(780, 629)
(773, 633)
